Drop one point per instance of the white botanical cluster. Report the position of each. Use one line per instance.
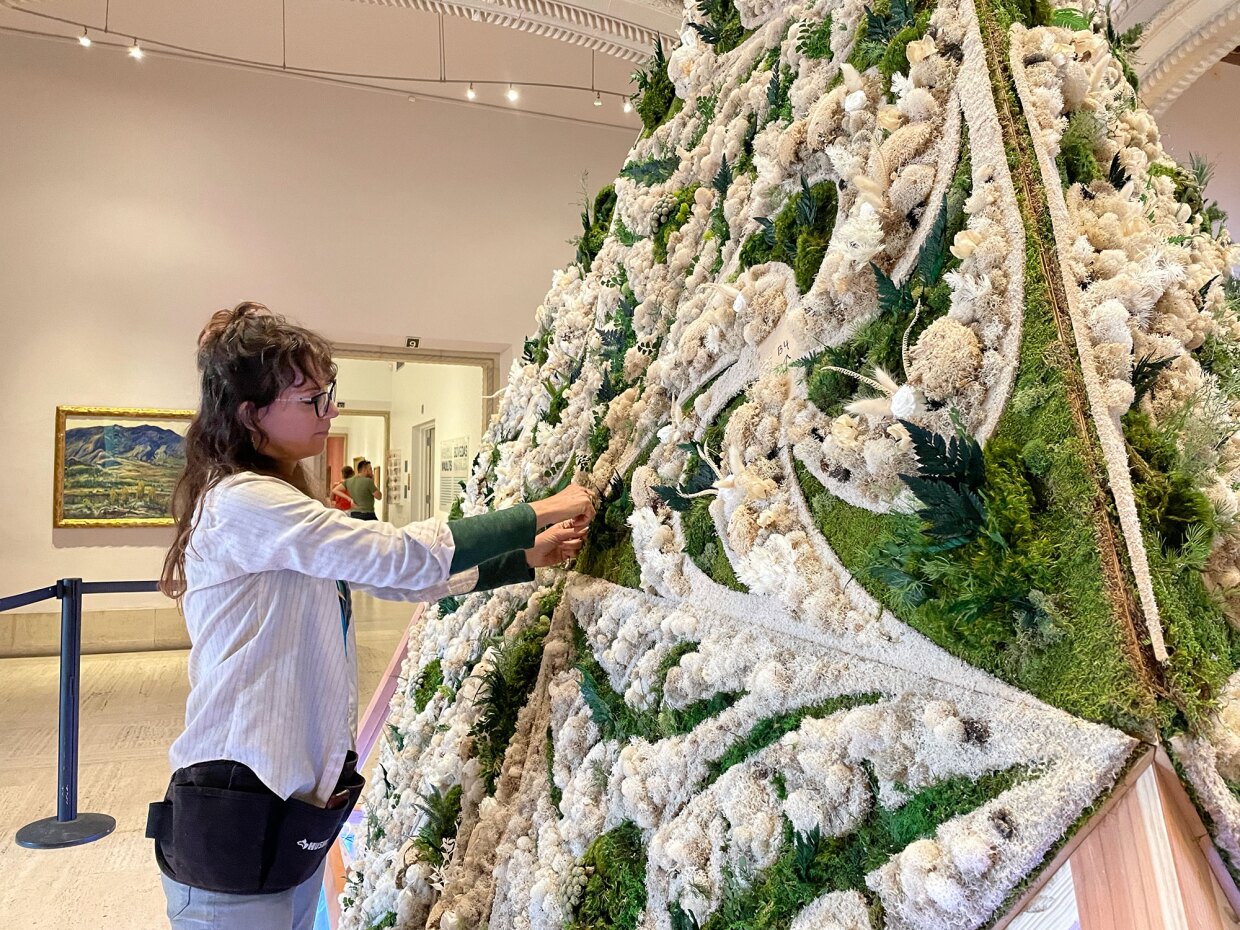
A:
(908, 730)
(901, 163)
(429, 754)
(836, 910)
(1140, 257)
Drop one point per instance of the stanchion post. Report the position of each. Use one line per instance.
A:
(69, 590)
(67, 828)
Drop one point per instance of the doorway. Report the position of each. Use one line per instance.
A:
(355, 435)
(422, 465)
(337, 450)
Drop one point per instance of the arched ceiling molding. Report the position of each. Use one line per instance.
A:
(1183, 40)
(593, 29)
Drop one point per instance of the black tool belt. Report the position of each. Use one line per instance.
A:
(221, 829)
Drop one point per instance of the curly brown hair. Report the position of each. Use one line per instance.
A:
(245, 355)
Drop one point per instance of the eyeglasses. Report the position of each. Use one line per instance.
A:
(320, 401)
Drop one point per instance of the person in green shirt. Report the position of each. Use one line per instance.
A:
(361, 488)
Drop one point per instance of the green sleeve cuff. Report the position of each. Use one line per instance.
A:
(510, 568)
(488, 535)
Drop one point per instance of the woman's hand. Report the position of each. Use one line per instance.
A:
(574, 503)
(555, 545)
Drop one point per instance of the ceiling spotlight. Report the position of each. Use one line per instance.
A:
(84, 39)
(598, 99)
(135, 51)
(470, 93)
(628, 105)
(512, 93)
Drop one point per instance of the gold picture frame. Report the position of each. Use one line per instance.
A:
(116, 466)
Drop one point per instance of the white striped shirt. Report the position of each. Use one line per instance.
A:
(273, 678)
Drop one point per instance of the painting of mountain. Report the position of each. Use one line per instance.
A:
(117, 467)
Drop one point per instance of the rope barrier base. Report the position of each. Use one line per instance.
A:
(51, 833)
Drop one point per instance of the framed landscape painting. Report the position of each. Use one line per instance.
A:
(116, 466)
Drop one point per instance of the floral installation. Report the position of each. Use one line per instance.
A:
(906, 363)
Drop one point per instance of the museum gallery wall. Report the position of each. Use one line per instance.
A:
(905, 359)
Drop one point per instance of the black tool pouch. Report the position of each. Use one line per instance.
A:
(221, 829)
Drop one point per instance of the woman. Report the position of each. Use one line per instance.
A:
(339, 494)
(265, 768)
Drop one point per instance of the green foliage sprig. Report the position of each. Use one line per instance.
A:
(885, 33)
(1078, 163)
(652, 171)
(506, 684)
(429, 681)
(722, 27)
(443, 814)
(1116, 174)
(816, 42)
(1145, 375)
(1124, 46)
(1071, 18)
(948, 485)
(698, 478)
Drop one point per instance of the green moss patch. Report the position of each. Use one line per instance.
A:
(429, 681)
(703, 546)
(884, 34)
(1028, 603)
(608, 550)
(1171, 506)
(615, 892)
(722, 27)
(799, 234)
(595, 224)
(1025, 599)
(702, 543)
(557, 796)
(656, 96)
(1077, 161)
(1179, 525)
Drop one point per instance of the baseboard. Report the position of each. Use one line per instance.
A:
(146, 629)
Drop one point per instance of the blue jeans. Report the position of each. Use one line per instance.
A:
(195, 909)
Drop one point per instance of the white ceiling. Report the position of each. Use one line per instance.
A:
(376, 44)
(404, 46)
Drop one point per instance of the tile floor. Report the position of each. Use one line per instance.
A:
(132, 708)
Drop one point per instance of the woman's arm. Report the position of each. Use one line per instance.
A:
(555, 545)
(265, 524)
(510, 568)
